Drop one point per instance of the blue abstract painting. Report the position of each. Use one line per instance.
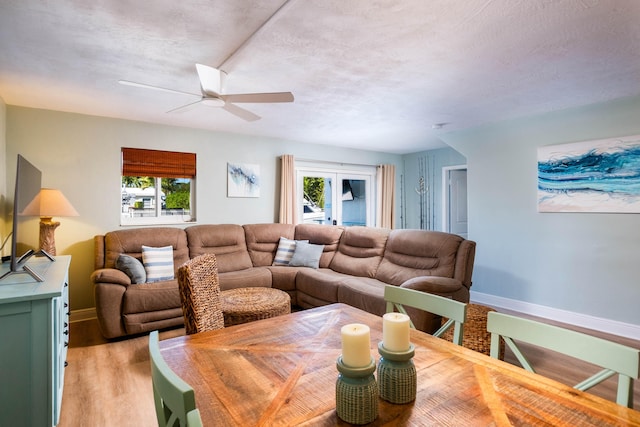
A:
(590, 176)
(243, 180)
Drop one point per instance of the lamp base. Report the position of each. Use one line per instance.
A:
(47, 235)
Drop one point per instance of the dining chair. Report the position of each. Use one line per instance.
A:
(174, 399)
(397, 297)
(200, 294)
(613, 357)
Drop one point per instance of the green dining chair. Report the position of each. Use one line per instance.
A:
(174, 399)
(397, 297)
(613, 357)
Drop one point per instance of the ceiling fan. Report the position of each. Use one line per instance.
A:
(211, 88)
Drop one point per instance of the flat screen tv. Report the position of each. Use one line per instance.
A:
(28, 183)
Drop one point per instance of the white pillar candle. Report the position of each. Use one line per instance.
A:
(395, 332)
(356, 345)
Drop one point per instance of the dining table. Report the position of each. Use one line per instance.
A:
(282, 372)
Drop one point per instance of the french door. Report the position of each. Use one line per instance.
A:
(338, 198)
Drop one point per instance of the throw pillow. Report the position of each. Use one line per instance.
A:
(158, 263)
(285, 250)
(132, 268)
(306, 255)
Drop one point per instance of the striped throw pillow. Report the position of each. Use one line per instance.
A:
(285, 250)
(158, 263)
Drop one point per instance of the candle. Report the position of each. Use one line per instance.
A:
(356, 345)
(395, 332)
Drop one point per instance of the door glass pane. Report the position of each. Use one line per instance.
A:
(317, 200)
(353, 202)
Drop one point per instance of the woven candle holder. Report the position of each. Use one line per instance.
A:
(397, 380)
(356, 393)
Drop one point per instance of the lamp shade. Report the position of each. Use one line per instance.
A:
(49, 203)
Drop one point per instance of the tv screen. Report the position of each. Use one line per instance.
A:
(28, 183)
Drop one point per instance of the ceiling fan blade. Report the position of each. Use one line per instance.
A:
(145, 86)
(185, 108)
(241, 112)
(210, 79)
(259, 97)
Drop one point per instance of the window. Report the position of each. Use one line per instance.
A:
(335, 194)
(157, 187)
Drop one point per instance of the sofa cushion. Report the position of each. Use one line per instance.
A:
(306, 255)
(364, 293)
(154, 296)
(130, 242)
(262, 241)
(413, 253)
(225, 241)
(158, 263)
(321, 284)
(249, 277)
(318, 234)
(283, 277)
(132, 267)
(360, 251)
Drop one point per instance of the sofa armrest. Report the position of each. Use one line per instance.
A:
(434, 285)
(110, 275)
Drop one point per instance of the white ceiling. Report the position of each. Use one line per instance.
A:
(367, 74)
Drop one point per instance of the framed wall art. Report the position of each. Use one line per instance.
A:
(243, 180)
(590, 176)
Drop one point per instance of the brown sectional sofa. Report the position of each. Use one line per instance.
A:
(356, 264)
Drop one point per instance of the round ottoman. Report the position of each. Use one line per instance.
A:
(475, 336)
(243, 305)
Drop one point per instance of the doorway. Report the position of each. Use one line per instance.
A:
(454, 203)
(328, 196)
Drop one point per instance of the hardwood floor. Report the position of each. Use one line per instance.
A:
(108, 383)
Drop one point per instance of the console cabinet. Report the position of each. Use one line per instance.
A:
(34, 336)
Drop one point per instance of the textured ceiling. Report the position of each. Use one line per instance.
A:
(368, 74)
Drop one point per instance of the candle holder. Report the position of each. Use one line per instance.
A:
(356, 393)
(397, 375)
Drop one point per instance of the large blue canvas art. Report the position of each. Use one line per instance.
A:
(590, 176)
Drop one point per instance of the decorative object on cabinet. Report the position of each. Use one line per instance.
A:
(47, 204)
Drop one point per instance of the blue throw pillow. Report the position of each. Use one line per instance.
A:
(306, 255)
(132, 267)
(158, 263)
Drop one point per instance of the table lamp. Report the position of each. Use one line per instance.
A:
(49, 203)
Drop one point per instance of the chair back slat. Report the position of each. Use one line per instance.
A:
(455, 311)
(173, 397)
(612, 356)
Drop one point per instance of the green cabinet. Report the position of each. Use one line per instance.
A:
(34, 336)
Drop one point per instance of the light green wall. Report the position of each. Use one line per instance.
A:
(581, 262)
(80, 155)
(434, 161)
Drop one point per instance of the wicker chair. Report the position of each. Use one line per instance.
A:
(200, 294)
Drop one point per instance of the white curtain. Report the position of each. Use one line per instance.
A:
(386, 197)
(287, 190)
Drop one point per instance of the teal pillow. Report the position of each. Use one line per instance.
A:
(306, 255)
(132, 267)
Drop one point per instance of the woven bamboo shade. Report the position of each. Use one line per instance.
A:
(157, 163)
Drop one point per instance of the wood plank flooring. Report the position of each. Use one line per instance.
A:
(108, 383)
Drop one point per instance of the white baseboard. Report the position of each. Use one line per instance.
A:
(608, 326)
(83, 314)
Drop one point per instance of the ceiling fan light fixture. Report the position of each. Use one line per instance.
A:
(213, 102)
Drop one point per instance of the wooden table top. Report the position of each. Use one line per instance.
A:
(282, 372)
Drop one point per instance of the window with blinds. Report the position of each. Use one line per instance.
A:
(157, 186)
